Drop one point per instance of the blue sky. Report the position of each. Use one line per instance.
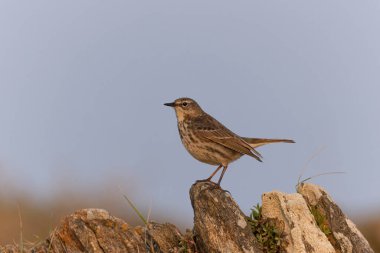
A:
(82, 87)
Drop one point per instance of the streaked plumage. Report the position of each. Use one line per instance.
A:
(209, 141)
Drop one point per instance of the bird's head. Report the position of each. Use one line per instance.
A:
(185, 107)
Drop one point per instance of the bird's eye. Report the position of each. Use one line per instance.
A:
(184, 104)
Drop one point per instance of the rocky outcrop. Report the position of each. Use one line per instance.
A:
(219, 224)
(303, 222)
(341, 231)
(95, 230)
(301, 231)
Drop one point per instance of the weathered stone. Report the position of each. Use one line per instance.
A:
(301, 232)
(95, 230)
(167, 236)
(308, 223)
(219, 224)
(345, 237)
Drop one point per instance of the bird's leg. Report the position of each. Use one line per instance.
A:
(209, 178)
(212, 175)
(221, 176)
(217, 186)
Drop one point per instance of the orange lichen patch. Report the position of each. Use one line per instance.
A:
(124, 227)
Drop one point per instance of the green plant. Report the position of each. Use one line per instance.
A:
(266, 233)
(187, 244)
(321, 220)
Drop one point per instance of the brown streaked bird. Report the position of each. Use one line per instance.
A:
(209, 141)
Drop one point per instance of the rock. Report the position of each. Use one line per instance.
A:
(301, 233)
(345, 237)
(95, 230)
(219, 224)
(166, 236)
(292, 223)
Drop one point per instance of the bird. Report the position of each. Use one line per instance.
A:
(209, 141)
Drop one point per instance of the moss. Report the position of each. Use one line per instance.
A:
(321, 220)
(266, 232)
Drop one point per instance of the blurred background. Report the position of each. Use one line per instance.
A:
(82, 121)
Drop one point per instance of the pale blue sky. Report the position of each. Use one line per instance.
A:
(82, 87)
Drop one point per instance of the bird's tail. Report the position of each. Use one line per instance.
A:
(257, 142)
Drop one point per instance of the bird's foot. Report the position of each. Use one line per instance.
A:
(217, 186)
(214, 186)
(226, 191)
(208, 180)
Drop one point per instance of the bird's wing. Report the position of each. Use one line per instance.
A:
(211, 129)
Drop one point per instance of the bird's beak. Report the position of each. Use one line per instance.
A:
(170, 104)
